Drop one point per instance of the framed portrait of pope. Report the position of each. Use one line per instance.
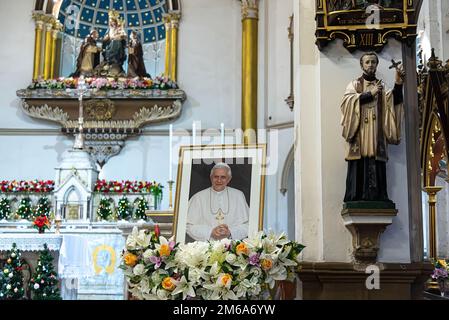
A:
(219, 192)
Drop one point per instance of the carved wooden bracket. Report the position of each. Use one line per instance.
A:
(366, 226)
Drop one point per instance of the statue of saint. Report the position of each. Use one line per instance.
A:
(371, 119)
(89, 56)
(136, 65)
(114, 44)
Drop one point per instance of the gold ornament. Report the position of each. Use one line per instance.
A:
(9, 260)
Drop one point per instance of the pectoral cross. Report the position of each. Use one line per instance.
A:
(220, 217)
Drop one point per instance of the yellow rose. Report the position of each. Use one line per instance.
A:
(443, 263)
(225, 279)
(164, 250)
(130, 259)
(241, 248)
(266, 264)
(168, 284)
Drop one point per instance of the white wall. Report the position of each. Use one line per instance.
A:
(277, 61)
(276, 204)
(321, 173)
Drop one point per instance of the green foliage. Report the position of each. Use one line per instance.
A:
(24, 211)
(124, 210)
(11, 282)
(43, 207)
(44, 283)
(5, 208)
(142, 206)
(104, 210)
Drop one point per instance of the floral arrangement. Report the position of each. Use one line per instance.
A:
(127, 186)
(38, 186)
(440, 272)
(109, 83)
(157, 268)
(41, 223)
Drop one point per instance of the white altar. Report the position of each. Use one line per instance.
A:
(86, 261)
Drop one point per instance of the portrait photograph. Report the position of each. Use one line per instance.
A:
(219, 193)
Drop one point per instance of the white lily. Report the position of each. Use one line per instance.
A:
(185, 287)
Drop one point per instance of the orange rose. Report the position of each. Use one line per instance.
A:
(164, 250)
(130, 259)
(242, 248)
(168, 284)
(225, 279)
(266, 264)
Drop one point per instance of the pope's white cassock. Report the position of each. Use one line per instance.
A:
(209, 208)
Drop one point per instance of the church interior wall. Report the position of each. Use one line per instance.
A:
(322, 79)
(276, 204)
(209, 71)
(442, 214)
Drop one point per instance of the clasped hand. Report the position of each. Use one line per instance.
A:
(220, 232)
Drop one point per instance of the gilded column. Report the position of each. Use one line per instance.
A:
(174, 20)
(250, 17)
(37, 47)
(432, 193)
(48, 46)
(54, 38)
(167, 24)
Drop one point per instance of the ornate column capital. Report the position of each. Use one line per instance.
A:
(39, 24)
(38, 16)
(166, 17)
(174, 19)
(49, 26)
(250, 9)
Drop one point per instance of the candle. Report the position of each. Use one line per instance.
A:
(222, 133)
(193, 132)
(170, 167)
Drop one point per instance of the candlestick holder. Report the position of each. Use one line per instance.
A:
(58, 221)
(170, 194)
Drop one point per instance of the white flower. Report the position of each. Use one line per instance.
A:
(44, 294)
(147, 254)
(15, 290)
(139, 269)
(8, 287)
(256, 271)
(13, 255)
(162, 294)
(11, 275)
(193, 255)
(137, 239)
(36, 286)
(184, 287)
(231, 258)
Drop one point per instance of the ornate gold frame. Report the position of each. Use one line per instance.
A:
(182, 151)
(359, 36)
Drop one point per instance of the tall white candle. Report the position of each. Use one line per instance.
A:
(222, 133)
(193, 133)
(170, 164)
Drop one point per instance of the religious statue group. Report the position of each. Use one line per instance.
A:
(113, 50)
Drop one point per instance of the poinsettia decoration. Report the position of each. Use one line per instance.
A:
(37, 186)
(41, 223)
(127, 186)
